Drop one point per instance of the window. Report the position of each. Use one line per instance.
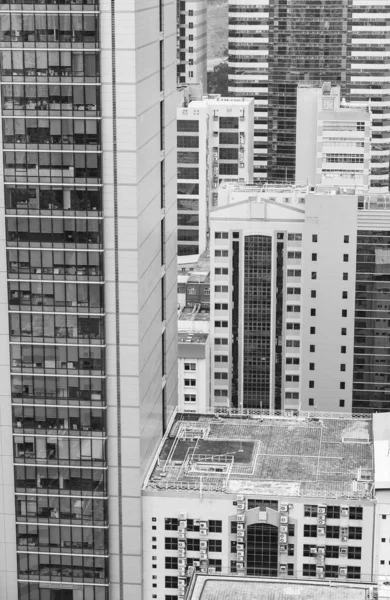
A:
(353, 572)
(332, 512)
(290, 569)
(187, 125)
(331, 571)
(190, 366)
(312, 348)
(233, 546)
(294, 272)
(342, 367)
(356, 512)
(344, 295)
(341, 403)
(354, 533)
(344, 313)
(293, 308)
(221, 235)
(345, 257)
(171, 524)
(220, 393)
(291, 550)
(189, 397)
(314, 237)
(228, 168)
(342, 385)
(314, 256)
(355, 552)
(310, 530)
(221, 289)
(193, 545)
(215, 526)
(312, 330)
(221, 253)
(314, 274)
(384, 516)
(221, 271)
(293, 326)
(312, 312)
(291, 290)
(220, 358)
(345, 276)
(310, 510)
(295, 237)
(343, 349)
(221, 341)
(217, 563)
(220, 306)
(311, 384)
(228, 122)
(346, 239)
(215, 545)
(292, 378)
(171, 582)
(311, 401)
(291, 530)
(191, 526)
(171, 543)
(220, 375)
(311, 367)
(171, 562)
(190, 382)
(308, 570)
(343, 331)
(332, 551)
(233, 527)
(293, 343)
(292, 361)
(332, 531)
(294, 254)
(220, 323)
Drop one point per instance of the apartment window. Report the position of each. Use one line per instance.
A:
(311, 401)
(191, 49)
(311, 367)
(217, 563)
(295, 291)
(191, 525)
(190, 366)
(215, 526)
(193, 545)
(218, 375)
(310, 531)
(312, 312)
(294, 272)
(355, 552)
(220, 358)
(215, 545)
(221, 253)
(345, 257)
(344, 295)
(332, 512)
(171, 524)
(356, 512)
(342, 385)
(308, 570)
(190, 25)
(314, 274)
(171, 562)
(293, 308)
(292, 361)
(343, 331)
(311, 384)
(293, 326)
(190, 382)
(332, 551)
(314, 237)
(221, 306)
(171, 582)
(346, 239)
(220, 323)
(384, 516)
(233, 527)
(220, 393)
(345, 276)
(221, 288)
(313, 294)
(295, 237)
(344, 312)
(221, 271)
(355, 533)
(311, 510)
(292, 378)
(294, 254)
(221, 341)
(341, 403)
(332, 531)
(314, 256)
(343, 349)
(291, 550)
(221, 235)
(331, 571)
(312, 330)
(292, 396)
(190, 13)
(353, 572)
(189, 398)
(291, 530)
(293, 343)
(312, 348)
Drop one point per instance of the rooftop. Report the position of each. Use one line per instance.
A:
(200, 272)
(316, 455)
(192, 314)
(206, 587)
(188, 337)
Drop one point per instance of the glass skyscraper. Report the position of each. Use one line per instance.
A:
(88, 279)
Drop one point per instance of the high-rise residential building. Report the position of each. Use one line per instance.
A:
(88, 288)
(215, 143)
(298, 299)
(192, 41)
(268, 497)
(274, 45)
(333, 145)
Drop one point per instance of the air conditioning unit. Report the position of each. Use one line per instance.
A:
(212, 570)
(321, 510)
(283, 529)
(291, 506)
(181, 544)
(183, 524)
(181, 592)
(240, 547)
(240, 527)
(240, 534)
(282, 538)
(240, 498)
(182, 571)
(183, 516)
(320, 575)
(181, 562)
(196, 522)
(203, 544)
(240, 565)
(321, 521)
(343, 571)
(196, 563)
(320, 550)
(241, 518)
(319, 570)
(344, 538)
(203, 524)
(320, 530)
(181, 530)
(344, 511)
(343, 550)
(181, 536)
(283, 519)
(203, 556)
(283, 568)
(182, 582)
(282, 548)
(240, 555)
(313, 550)
(190, 570)
(283, 508)
(241, 505)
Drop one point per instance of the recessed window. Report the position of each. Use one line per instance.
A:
(312, 348)
(343, 349)
(343, 331)
(344, 312)
(312, 312)
(312, 330)
(311, 366)
(342, 367)
(345, 276)
(341, 403)
(313, 294)
(345, 257)
(342, 385)
(345, 295)
(346, 239)
(314, 274)
(311, 384)
(314, 256)
(314, 237)
(311, 401)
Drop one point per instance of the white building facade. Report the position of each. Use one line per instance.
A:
(192, 41)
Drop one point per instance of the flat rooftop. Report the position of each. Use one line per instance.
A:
(311, 455)
(206, 587)
(192, 337)
(188, 314)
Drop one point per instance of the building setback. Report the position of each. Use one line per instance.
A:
(87, 286)
(274, 45)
